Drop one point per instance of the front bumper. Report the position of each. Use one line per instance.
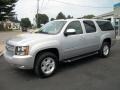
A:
(22, 62)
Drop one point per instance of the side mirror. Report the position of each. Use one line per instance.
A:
(70, 32)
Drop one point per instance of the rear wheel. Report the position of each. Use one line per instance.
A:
(105, 49)
(46, 64)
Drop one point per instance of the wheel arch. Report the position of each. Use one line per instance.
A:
(107, 40)
(53, 50)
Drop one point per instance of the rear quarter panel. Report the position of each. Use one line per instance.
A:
(108, 34)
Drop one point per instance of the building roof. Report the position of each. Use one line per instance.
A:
(105, 15)
(117, 5)
(69, 20)
(112, 13)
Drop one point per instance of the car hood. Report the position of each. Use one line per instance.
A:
(26, 39)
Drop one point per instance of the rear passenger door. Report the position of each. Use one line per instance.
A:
(91, 36)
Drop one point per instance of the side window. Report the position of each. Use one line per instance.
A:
(89, 26)
(75, 25)
(105, 25)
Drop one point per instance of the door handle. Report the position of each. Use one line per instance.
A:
(81, 38)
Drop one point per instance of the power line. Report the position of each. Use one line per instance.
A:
(42, 4)
(45, 5)
(67, 3)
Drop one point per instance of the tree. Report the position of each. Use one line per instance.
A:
(60, 16)
(69, 17)
(25, 22)
(88, 16)
(41, 19)
(6, 9)
(14, 19)
(52, 19)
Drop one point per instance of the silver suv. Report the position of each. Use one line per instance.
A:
(60, 40)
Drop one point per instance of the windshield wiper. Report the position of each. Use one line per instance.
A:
(42, 32)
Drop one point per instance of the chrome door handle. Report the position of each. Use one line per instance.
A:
(81, 38)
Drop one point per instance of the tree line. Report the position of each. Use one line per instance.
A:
(6, 9)
(7, 13)
(43, 19)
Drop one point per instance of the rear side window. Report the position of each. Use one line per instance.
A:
(89, 26)
(105, 25)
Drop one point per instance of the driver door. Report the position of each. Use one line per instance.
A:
(73, 45)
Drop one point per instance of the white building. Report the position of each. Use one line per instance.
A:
(113, 16)
(107, 16)
(10, 25)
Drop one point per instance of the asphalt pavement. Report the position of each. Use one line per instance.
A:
(91, 73)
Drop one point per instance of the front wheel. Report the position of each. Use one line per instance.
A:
(105, 50)
(46, 64)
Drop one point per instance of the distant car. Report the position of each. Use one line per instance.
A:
(60, 40)
(24, 29)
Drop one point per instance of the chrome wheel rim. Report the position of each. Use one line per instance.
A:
(48, 65)
(106, 50)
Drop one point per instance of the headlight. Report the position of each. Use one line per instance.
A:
(22, 50)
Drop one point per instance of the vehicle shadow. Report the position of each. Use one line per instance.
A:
(74, 64)
(29, 74)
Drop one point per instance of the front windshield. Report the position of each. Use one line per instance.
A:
(52, 27)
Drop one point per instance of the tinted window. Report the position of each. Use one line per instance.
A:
(105, 25)
(75, 25)
(89, 26)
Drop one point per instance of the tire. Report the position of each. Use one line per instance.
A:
(105, 50)
(46, 64)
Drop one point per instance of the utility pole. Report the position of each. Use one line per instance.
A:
(119, 27)
(37, 12)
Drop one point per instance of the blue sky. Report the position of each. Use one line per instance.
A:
(76, 8)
